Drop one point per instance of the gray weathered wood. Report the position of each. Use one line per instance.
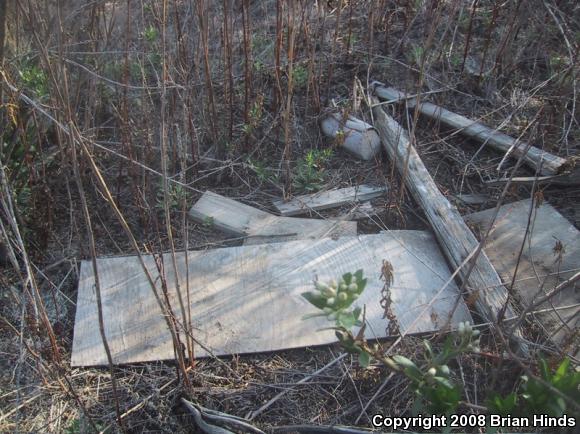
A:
(472, 199)
(534, 157)
(455, 238)
(327, 199)
(359, 138)
(248, 299)
(540, 268)
(240, 219)
(361, 211)
(570, 178)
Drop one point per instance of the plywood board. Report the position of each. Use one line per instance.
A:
(540, 268)
(327, 199)
(260, 226)
(248, 299)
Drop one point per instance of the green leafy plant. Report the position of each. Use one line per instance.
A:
(151, 34)
(300, 75)
(535, 397)
(254, 115)
(456, 60)
(335, 300)
(310, 176)
(154, 60)
(417, 54)
(34, 79)
(317, 157)
(74, 427)
(208, 222)
(353, 39)
(176, 195)
(259, 66)
(264, 173)
(430, 381)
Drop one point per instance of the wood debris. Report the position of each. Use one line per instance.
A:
(550, 255)
(352, 134)
(328, 199)
(455, 238)
(248, 299)
(260, 226)
(535, 158)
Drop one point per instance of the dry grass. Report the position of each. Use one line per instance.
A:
(170, 98)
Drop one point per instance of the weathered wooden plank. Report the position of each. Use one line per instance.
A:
(327, 199)
(472, 199)
(455, 238)
(243, 220)
(361, 211)
(534, 157)
(248, 299)
(570, 178)
(540, 267)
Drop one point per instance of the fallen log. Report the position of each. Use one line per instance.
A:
(454, 236)
(358, 137)
(533, 157)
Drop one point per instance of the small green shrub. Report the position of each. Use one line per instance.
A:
(264, 173)
(534, 397)
(177, 194)
(151, 34)
(34, 79)
(310, 175)
(208, 222)
(300, 75)
(432, 380)
(254, 115)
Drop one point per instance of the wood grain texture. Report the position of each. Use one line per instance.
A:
(540, 268)
(248, 299)
(259, 226)
(455, 238)
(535, 158)
(358, 137)
(327, 199)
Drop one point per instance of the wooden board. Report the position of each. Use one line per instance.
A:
(454, 236)
(247, 299)
(472, 199)
(361, 211)
(328, 199)
(259, 226)
(538, 259)
(536, 158)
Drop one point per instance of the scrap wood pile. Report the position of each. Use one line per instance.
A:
(281, 216)
(248, 299)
